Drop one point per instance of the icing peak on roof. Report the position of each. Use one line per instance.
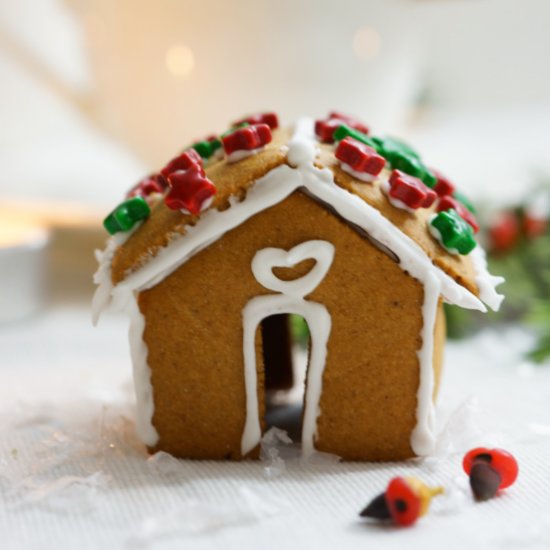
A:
(358, 179)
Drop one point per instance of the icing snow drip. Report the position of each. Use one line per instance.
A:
(290, 300)
(142, 376)
(269, 190)
(423, 435)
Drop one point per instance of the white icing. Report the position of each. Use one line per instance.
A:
(236, 156)
(142, 376)
(486, 282)
(291, 300)
(265, 260)
(266, 192)
(363, 176)
(206, 204)
(102, 277)
(423, 435)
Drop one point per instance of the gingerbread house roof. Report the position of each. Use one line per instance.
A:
(293, 160)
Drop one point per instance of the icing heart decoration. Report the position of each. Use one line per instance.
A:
(266, 259)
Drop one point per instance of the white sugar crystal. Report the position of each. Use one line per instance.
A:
(279, 452)
(70, 492)
(165, 464)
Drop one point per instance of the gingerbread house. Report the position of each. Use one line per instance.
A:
(348, 230)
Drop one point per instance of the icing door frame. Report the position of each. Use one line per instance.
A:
(289, 300)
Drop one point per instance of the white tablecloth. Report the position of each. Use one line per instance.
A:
(73, 474)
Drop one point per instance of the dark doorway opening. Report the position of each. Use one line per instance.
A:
(285, 340)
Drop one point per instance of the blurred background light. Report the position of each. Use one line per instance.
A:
(366, 43)
(180, 60)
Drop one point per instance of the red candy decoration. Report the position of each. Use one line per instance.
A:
(403, 502)
(247, 138)
(154, 183)
(489, 470)
(410, 190)
(325, 128)
(270, 119)
(359, 157)
(447, 202)
(443, 186)
(189, 189)
(182, 162)
(499, 459)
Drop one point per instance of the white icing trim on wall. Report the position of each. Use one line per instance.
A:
(291, 300)
(142, 376)
(423, 435)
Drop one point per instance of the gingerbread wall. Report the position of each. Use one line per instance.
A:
(194, 335)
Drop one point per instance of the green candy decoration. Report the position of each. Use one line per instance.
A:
(389, 147)
(206, 148)
(453, 232)
(344, 131)
(126, 215)
(203, 148)
(465, 201)
(403, 157)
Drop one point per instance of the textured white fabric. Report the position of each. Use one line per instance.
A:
(73, 474)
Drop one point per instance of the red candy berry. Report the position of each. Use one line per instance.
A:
(410, 190)
(447, 202)
(504, 232)
(359, 157)
(182, 162)
(247, 138)
(443, 186)
(403, 502)
(325, 128)
(490, 470)
(190, 190)
(534, 226)
(270, 119)
(154, 183)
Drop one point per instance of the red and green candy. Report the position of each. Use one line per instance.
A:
(358, 157)
(126, 215)
(246, 138)
(409, 191)
(207, 147)
(490, 470)
(326, 128)
(190, 189)
(454, 234)
(448, 202)
(270, 119)
(404, 501)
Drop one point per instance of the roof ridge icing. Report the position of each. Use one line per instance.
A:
(277, 184)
